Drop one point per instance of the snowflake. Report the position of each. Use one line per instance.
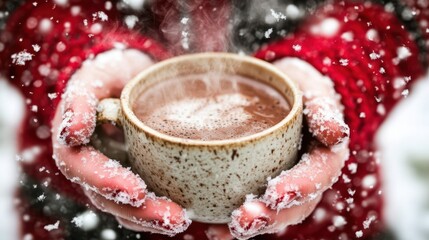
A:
(36, 47)
(184, 20)
(21, 57)
(359, 234)
(374, 56)
(268, 33)
(51, 227)
(368, 222)
(52, 95)
(101, 15)
(403, 53)
(277, 15)
(297, 47)
(344, 62)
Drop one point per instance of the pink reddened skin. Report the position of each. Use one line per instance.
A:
(293, 195)
(112, 188)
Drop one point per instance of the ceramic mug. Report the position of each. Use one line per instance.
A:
(208, 178)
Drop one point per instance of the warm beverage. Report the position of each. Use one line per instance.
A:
(210, 106)
(203, 97)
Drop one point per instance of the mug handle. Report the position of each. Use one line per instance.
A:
(108, 111)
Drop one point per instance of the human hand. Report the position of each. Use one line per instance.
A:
(110, 186)
(294, 194)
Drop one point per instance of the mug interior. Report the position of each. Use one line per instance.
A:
(207, 63)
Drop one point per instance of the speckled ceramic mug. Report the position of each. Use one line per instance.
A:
(208, 178)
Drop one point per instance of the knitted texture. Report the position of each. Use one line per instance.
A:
(58, 39)
(371, 59)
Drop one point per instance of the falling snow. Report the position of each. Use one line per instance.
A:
(374, 56)
(297, 47)
(359, 234)
(36, 47)
(368, 222)
(87, 220)
(21, 57)
(100, 15)
(268, 33)
(278, 15)
(51, 227)
(344, 62)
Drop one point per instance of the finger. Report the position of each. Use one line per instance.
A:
(218, 232)
(136, 227)
(158, 214)
(323, 108)
(325, 121)
(255, 218)
(103, 77)
(78, 118)
(93, 170)
(315, 173)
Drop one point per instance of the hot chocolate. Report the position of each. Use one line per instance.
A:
(210, 106)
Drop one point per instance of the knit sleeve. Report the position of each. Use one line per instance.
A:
(368, 54)
(372, 59)
(44, 42)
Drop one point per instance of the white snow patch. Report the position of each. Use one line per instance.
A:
(403, 143)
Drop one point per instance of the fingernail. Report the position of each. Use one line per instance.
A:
(168, 226)
(123, 197)
(64, 135)
(257, 224)
(284, 200)
(249, 230)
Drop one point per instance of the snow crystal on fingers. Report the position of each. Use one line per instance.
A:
(113, 169)
(251, 229)
(326, 113)
(165, 226)
(80, 136)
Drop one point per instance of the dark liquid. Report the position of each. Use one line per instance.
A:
(211, 106)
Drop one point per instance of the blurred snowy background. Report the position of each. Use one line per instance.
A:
(403, 139)
(404, 148)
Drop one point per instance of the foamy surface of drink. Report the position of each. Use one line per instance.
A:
(210, 106)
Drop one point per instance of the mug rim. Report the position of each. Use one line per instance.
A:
(130, 116)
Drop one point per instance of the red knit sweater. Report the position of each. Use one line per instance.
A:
(367, 52)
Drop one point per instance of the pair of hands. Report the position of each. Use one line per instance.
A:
(112, 188)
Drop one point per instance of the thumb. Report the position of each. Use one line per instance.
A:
(78, 118)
